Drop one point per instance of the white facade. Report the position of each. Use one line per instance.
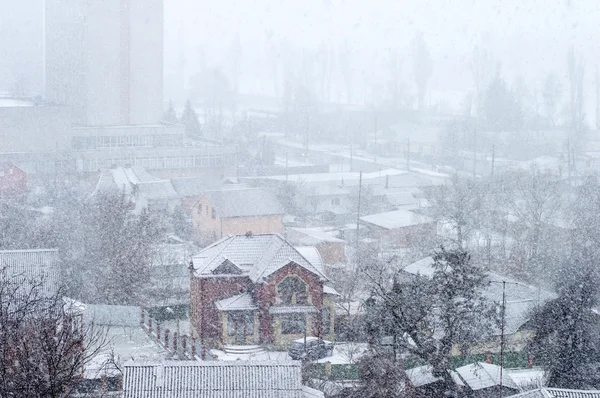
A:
(104, 58)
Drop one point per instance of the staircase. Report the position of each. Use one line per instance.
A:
(243, 349)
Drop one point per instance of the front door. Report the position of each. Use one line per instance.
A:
(240, 330)
(241, 324)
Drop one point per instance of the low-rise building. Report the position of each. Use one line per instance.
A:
(258, 289)
(236, 210)
(400, 228)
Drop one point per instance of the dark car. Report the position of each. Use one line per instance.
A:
(315, 348)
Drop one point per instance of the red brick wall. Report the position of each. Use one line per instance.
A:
(204, 292)
(266, 295)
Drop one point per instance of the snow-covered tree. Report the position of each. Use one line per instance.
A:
(428, 317)
(189, 118)
(170, 114)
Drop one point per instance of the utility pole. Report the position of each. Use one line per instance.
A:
(286, 166)
(358, 210)
(493, 158)
(502, 334)
(475, 151)
(408, 153)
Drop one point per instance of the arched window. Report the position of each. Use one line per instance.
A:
(292, 290)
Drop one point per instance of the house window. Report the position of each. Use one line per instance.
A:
(207, 210)
(335, 201)
(292, 291)
(326, 320)
(293, 323)
(214, 214)
(200, 209)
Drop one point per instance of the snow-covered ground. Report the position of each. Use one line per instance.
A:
(343, 353)
(527, 378)
(127, 344)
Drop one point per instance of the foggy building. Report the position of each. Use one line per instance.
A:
(21, 48)
(105, 60)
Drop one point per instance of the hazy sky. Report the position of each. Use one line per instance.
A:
(528, 37)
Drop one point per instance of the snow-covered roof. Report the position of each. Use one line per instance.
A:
(482, 375)
(157, 189)
(330, 290)
(235, 379)
(345, 176)
(195, 186)
(423, 375)
(316, 235)
(257, 256)
(244, 202)
(311, 254)
(396, 219)
(292, 309)
(240, 302)
(520, 298)
(557, 393)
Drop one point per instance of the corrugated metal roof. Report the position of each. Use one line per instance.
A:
(37, 264)
(482, 375)
(244, 202)
(557, 393)
(239, 379)
(239, 302)
(257, 255)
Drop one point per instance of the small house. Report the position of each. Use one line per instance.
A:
(258, 290)
(236, 210)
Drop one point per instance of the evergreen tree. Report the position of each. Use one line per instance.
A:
(427, 317)
(170, 114)
(189, 118)
(566, 342)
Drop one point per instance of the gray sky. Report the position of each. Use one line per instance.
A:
(529, 37)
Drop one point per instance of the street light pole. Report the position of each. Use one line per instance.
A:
(502, 334)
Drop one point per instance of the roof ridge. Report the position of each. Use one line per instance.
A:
(281, 243)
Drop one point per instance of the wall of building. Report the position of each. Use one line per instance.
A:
(208, 229)
(266, 296)
(407, 236)
(34, 128)
(21, 46)
(205, 318)
(332, 252)
(146, 62)
(257, 225)
(105, 60)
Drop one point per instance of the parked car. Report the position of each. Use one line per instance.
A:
(315, 348)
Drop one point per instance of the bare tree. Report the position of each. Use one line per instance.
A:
(422, 67)
(457, 205)
(44, 344)
(551, 92)
(576, 107)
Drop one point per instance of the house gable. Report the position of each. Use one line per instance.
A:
(227, 268)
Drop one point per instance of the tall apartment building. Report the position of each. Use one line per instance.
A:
(104, 59)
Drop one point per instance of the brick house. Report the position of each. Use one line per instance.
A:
(236, 210)
(13, 181)
(258, 289)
